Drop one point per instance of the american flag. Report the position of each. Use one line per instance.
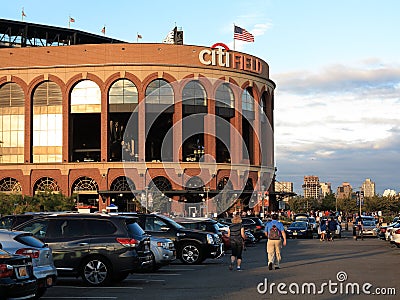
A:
(72, 20)
(242, 34)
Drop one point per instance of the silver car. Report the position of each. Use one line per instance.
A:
(24, 243)
(162, 251)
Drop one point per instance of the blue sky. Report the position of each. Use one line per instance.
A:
(336, 65)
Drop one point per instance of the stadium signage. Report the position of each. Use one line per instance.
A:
(223, 58)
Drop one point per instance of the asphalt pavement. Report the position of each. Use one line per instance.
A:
(310, 269)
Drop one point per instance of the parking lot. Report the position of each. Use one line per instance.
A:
(369, 261)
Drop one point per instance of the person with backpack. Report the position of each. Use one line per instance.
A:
(275, 232)
(236, 237)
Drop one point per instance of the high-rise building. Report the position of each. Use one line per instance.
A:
(326, 189)
(368, 187)
(344, 191)
(311, 187)
(284, 187)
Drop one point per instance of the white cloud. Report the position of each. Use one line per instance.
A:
(327, 116)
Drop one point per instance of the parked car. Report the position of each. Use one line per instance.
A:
(369, 228)
(162, 252)
(299, 229)
(313, 223)
(389, 229)
(24, 243)
(16, 276)
(383, 231)
(395, 235)
(249, 225)
(301, 217)
(192, 246)
(258, 232)
(10, 221)
(98, 248)
(204, 224)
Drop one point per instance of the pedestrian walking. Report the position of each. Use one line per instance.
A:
(236, 236)
(275, 232)
(322, 228)
(332, 226)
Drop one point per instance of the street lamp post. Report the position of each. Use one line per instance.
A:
(206, 189)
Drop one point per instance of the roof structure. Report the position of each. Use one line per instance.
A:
(24, 34)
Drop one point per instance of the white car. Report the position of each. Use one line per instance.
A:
(388, 230)
(24, 243)
(395, 235)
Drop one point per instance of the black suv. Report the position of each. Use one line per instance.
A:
(192, 246)
(99, 248)
(252, 224)
(10, 221)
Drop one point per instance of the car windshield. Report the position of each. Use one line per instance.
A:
(298, 225)
(134, 228)
(172, 222)
(369, 223)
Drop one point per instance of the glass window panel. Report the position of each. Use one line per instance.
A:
(123, 91)
(159, 91)
(6, 122)
(247, 101)
(86, 92)
(20, 137)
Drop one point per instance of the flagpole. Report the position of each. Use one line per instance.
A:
(137, 37)
(69, 21)
(233, 36)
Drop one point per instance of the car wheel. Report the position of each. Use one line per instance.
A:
(96, 271)
(154, 266)
(191, 254)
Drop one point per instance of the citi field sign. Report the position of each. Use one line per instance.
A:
(219, 55)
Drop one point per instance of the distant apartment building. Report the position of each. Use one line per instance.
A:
(326, 189)
(344, 191)
(284, 187)
(389, 193)
(311, 187)
(368, 187)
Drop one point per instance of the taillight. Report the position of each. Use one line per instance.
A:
(383, 230)
(259, 227)
(397, 231)
(6, 271)
(28, 252)
(127, 242)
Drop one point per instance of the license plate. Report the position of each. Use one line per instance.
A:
(294, 233)
(22, 272)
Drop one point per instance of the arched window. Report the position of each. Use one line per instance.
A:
(12, 121)
(159, 91)
(10, 185)
(85, 185)
(46, 185)
(224, 96)
(194, 94)
(122, 183)
(123, 91)
(85, 122)
(161, 183)
(86, 97)
(47, 123)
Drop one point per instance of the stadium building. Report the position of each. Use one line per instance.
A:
(173, 128)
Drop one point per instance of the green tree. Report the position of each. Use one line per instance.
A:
(328, 202)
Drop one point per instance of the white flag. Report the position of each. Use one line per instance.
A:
(170, 38)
